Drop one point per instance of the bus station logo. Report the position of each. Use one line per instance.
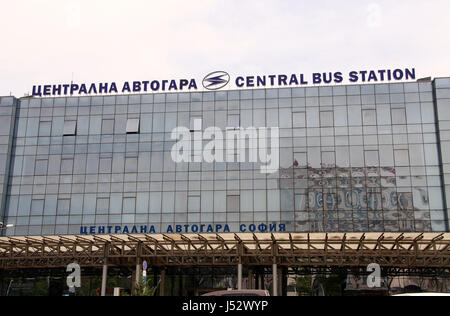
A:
(216, 80)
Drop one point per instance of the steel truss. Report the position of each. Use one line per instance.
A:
(408, 251)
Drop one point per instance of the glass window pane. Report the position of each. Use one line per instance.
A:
(340, 116)
(312, 117)
(63, 207)
(233, 203)
(299, 120)
(398, 116)
(133, 126)
(354, 116)
(285, 118)
(260, 199)
(220, 201)
(326, 119)
(41, 167)
(66, 166)
(45, 129)
(194, 204)
(131, 165)
(105, 165)
(401, 158)
(233, 121)
(171, 122)
(207, 201)
(108, 127)
(37, 207)
(369, 117)
(70, 128)
(129, 205)
(102, 206)
(95, 125)
(414, 113)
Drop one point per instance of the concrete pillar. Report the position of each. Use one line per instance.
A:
(284, 283)
(261, 285)
(138, 272)
(104, 279)
(275, 279)
(280, 281)
(256, 281)
(133, 281)
(239, 276)
(251, 280)
(162, 285)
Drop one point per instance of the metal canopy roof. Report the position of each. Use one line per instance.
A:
(408, 250)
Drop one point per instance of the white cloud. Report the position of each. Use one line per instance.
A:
(44, 41)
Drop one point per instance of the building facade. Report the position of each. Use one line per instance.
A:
(355, 158)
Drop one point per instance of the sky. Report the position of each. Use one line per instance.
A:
(89, 41)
